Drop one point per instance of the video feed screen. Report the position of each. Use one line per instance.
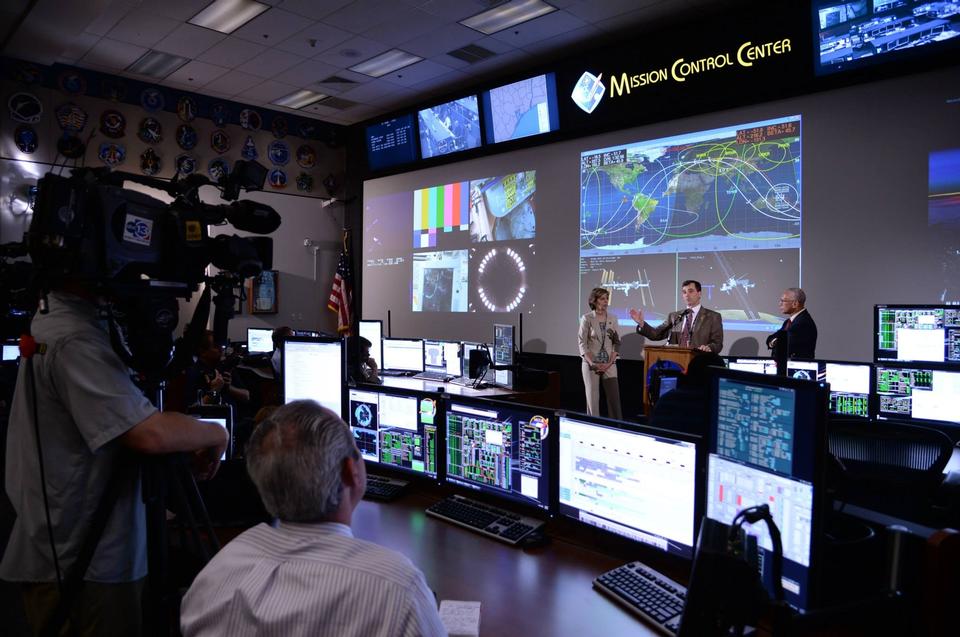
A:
(259, 341)
(442, 356)
(403, 354)
(925, 333)
(314, 369)
(391, 143)
(754, 365)
(449, 128)
(849, 388)
(521, 109)
(913, 393)
(721, 207)
(638, 485)
(394, 430)
(11, 351)
(500, 450)
(866, 32)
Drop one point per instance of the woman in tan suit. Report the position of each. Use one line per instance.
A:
(599, 348)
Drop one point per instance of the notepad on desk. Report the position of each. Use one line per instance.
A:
(461, 619)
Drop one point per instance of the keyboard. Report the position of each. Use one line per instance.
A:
(396, 372)
(383, 489)
(491, 521)
(463, 381)
(439, 376)
(655, 598)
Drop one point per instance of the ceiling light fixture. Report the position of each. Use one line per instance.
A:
(226, 16)
(392, 60)
(157, 64)
(507, 15)
(298, 99)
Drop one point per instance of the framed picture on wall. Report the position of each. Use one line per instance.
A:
(265, 293)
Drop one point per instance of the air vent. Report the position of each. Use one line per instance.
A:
(336, 79)
(336, 103)
(471, 53)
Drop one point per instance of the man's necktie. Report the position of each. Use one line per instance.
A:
(685, 331)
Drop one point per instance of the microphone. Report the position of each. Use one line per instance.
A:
(679, 317)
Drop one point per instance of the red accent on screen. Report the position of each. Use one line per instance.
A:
(739, 500)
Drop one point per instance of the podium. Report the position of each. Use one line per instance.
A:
(655, 353)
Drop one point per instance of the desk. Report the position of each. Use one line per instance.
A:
(543, 591)
(408, 382)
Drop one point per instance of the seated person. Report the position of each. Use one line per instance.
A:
(207, 384)
(361, 367)
(686, 408)
(308, 575)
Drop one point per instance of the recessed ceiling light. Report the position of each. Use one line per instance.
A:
(226, 16)
(507, 15)
(298, 99)
(384, 63)
(157, 64)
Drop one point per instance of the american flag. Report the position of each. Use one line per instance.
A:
(341, 295)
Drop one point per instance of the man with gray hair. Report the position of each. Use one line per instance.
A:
(797, 338)
(307, 574)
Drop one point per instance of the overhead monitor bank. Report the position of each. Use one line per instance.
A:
(817, 190)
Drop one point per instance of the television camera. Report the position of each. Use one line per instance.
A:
(142, 254)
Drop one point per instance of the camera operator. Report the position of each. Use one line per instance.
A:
(209, 382)
(89, 416)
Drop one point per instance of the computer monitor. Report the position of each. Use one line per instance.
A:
(521, 109)
(259, 340)
(314, 369)
(767, 441)
(503, 348)
(443, 357)
(391, 142)
(403, 354)
(755, 365)
(636, 482)
(917, 393)
(395, 429)
(501, 450)
(449, 128)
(372, 330)
(805, 370)
(11, 349)
(465, 358)
(850, 385)
(917, 334)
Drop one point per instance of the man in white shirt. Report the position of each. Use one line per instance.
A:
(308, 575)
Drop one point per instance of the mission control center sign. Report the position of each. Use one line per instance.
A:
(590, 88)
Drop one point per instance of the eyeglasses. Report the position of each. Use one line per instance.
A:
(787, 301)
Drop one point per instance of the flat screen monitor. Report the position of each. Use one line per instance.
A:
(852, 34)
(640, 483)
(755, 365)
(449, 128)
(11, 350)
(767, 439)
(521, 109)
(503, 348)
(442, 357)
(311, 333)
(500, 450)
(395, 430)
(403, 354)
(805, 370)
(259, 340)
(465, 358)
(850, 385)
(373, 332)
(917, 334)
(392, 142)
(218, 415)
(917, 393)
(314, 369)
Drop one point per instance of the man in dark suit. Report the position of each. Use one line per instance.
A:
(695, 327)
(797, 338)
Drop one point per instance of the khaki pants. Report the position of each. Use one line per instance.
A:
(100, 609)
(611, 387)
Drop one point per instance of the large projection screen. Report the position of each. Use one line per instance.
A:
(717, 198)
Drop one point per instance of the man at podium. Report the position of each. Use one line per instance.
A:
(695, 327)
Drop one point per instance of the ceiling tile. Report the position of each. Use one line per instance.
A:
(181, 10)
(556, 43)
(109, 17)
(270, 62)
(306, 73)
(233, 82)
(416, 73)
(312, 8)
(79, 46)
(361, 15)
(197, 74)
(597, 11)
(452, 10)
(141, 28)
(113, 54)
(189, 41)
(267, 91)
(373, 92)
(231, 52)
(448, 82)
(316, 38)
(277, 25)
(351, 52)
(408, 26)
(448, 39)
(547, 26)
